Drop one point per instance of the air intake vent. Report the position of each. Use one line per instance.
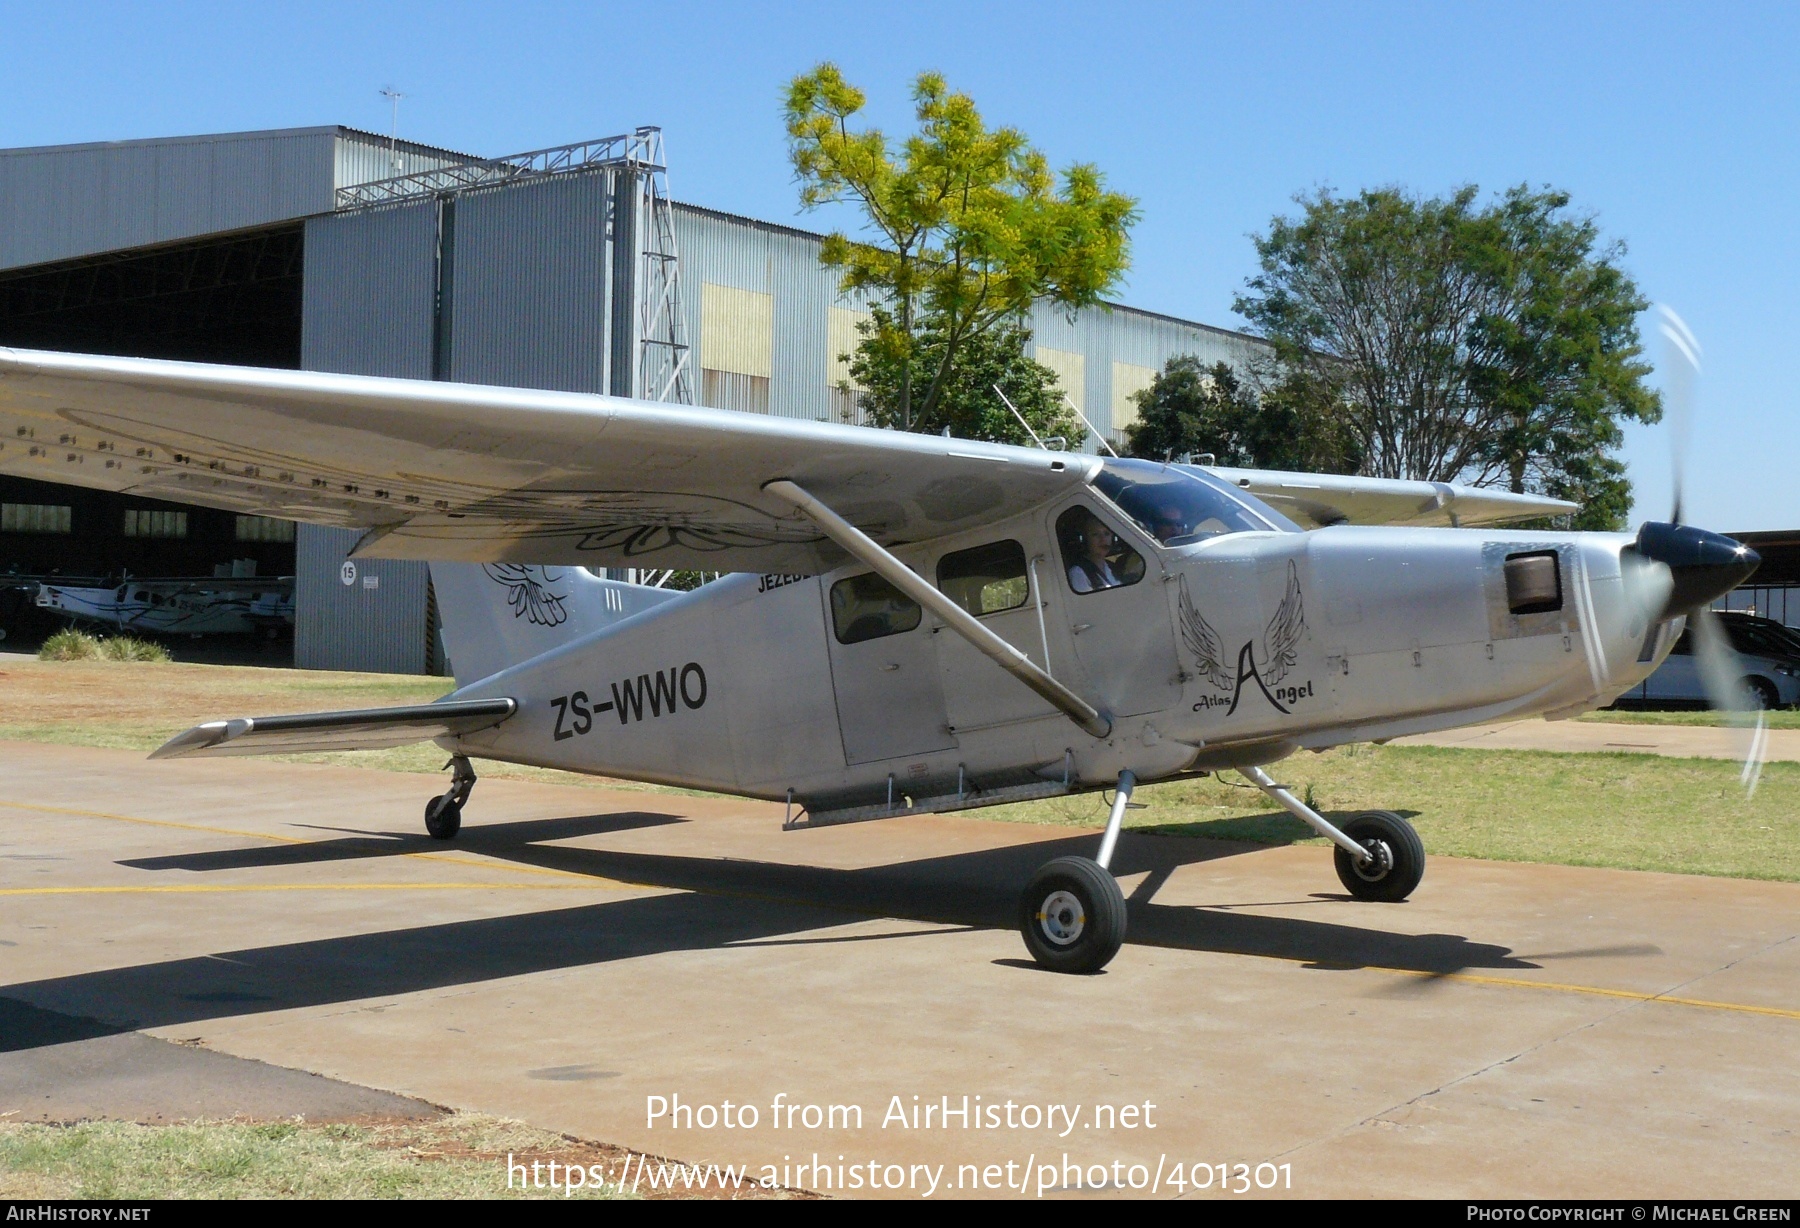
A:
(1533, 583)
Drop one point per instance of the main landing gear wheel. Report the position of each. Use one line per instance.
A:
(1396, 857)
(443, 818)
(1073, 916)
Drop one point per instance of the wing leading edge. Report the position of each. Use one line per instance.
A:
(1320, 499)
(462, 472)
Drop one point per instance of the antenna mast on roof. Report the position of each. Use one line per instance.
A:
(394, 96)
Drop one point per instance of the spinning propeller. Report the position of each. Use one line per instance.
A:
(1700, 567)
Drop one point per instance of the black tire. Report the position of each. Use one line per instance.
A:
(1399, 857)
(443, 818)
(1073, 916)
(1762, 693)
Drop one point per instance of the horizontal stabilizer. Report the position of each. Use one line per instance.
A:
(369, 729)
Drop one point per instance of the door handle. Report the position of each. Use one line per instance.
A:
(1078, 628)
(890, 667)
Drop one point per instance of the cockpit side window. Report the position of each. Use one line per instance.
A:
(1093, 556)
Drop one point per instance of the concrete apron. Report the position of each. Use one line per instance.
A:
(1513, 1030)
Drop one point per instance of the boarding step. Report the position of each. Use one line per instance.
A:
(940, 804)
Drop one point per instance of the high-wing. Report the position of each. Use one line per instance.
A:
(1318, 499)
(482, 474)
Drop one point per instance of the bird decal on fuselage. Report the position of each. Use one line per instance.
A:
(1281, 646)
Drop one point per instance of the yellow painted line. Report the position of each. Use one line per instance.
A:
(1510, 982)
(126, 818)
(513, 867)
(1630, 995)
(599, 884)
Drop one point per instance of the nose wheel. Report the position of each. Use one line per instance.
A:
(1396, 860)
(443, 814)
(1379, 856)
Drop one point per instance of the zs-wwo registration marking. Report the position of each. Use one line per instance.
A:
(661, 693)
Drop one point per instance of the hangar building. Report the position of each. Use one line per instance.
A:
(330, 249)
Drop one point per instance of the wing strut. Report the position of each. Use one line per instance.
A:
(959, 620)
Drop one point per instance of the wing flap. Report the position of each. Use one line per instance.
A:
(367, 729)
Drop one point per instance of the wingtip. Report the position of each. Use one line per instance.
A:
(200, 738)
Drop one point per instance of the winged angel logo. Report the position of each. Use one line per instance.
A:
(1281, 651)
(530, 598)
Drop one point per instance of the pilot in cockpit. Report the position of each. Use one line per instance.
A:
(1167, 522)
(1090, 570)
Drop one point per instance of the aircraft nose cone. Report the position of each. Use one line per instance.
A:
(1705, 565)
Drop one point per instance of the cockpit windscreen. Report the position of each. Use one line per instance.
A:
(1179, 506)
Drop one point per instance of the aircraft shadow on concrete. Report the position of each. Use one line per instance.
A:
(715, 902)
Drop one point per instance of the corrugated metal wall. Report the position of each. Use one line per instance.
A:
(743, 254)
(371, 292)
(370, 309)
(528, 299)
(369, 617)
(363, 157)
(76, 200)
(63, 201)
(1137, 338)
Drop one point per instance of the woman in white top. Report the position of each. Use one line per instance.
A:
(1091, 571)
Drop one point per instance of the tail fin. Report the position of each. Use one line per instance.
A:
(498, 614)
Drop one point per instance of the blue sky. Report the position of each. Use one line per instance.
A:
(1676, 126)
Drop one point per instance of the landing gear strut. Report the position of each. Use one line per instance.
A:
(1379, 855)
(443, 814)
(1072, 913)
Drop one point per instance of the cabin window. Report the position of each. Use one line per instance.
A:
(1093, 556)
(987, 579)
(866, 607)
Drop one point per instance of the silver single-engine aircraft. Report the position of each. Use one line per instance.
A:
(920, 624)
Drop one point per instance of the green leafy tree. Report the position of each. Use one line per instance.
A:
(966, 405)
(1193, 409)
(964, 227)
(1491, 344)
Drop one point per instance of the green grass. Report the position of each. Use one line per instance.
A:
(1781, 718)
(69, 645)
(1634, 812)
(129, 648)
(461, 1156)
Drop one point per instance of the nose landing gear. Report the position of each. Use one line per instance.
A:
(1379, 856)
(443, 814)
